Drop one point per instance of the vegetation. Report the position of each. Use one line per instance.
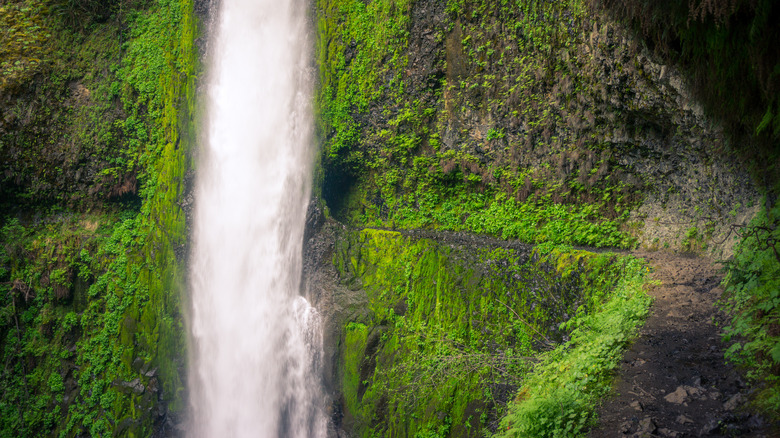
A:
(538, 219)
(506, 118)
(23, 42)
(44, 272)
(60, 141)
(450, 335)
(92, 330)
(753, 300)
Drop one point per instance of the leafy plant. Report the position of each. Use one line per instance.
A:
(752, 299)
(93, 295)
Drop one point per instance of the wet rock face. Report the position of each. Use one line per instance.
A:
(337, 304)
(426, 68)
(43, 152)
(315, 219)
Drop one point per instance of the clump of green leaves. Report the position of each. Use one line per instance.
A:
(375, 34)
(38, 263)
(753, 300)
(537, 219)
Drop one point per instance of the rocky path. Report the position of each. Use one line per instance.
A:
(673, 381)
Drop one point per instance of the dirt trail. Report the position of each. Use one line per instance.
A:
(673, 381)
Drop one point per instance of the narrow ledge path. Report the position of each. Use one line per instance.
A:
(673, 381)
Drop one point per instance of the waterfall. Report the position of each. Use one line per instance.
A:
(255, 342)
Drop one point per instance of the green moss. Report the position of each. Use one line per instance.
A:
(450, 329)
(23, 44)
(379, 29)
(354, 354)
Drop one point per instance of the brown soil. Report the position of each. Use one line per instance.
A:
(673, 381)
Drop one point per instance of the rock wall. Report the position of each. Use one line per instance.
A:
(549, 103)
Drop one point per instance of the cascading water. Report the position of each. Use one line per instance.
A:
(255, 343)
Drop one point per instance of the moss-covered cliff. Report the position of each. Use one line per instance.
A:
(432, 334)
(97, 101)
(531, 120)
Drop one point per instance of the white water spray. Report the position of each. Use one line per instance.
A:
(255, 342)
